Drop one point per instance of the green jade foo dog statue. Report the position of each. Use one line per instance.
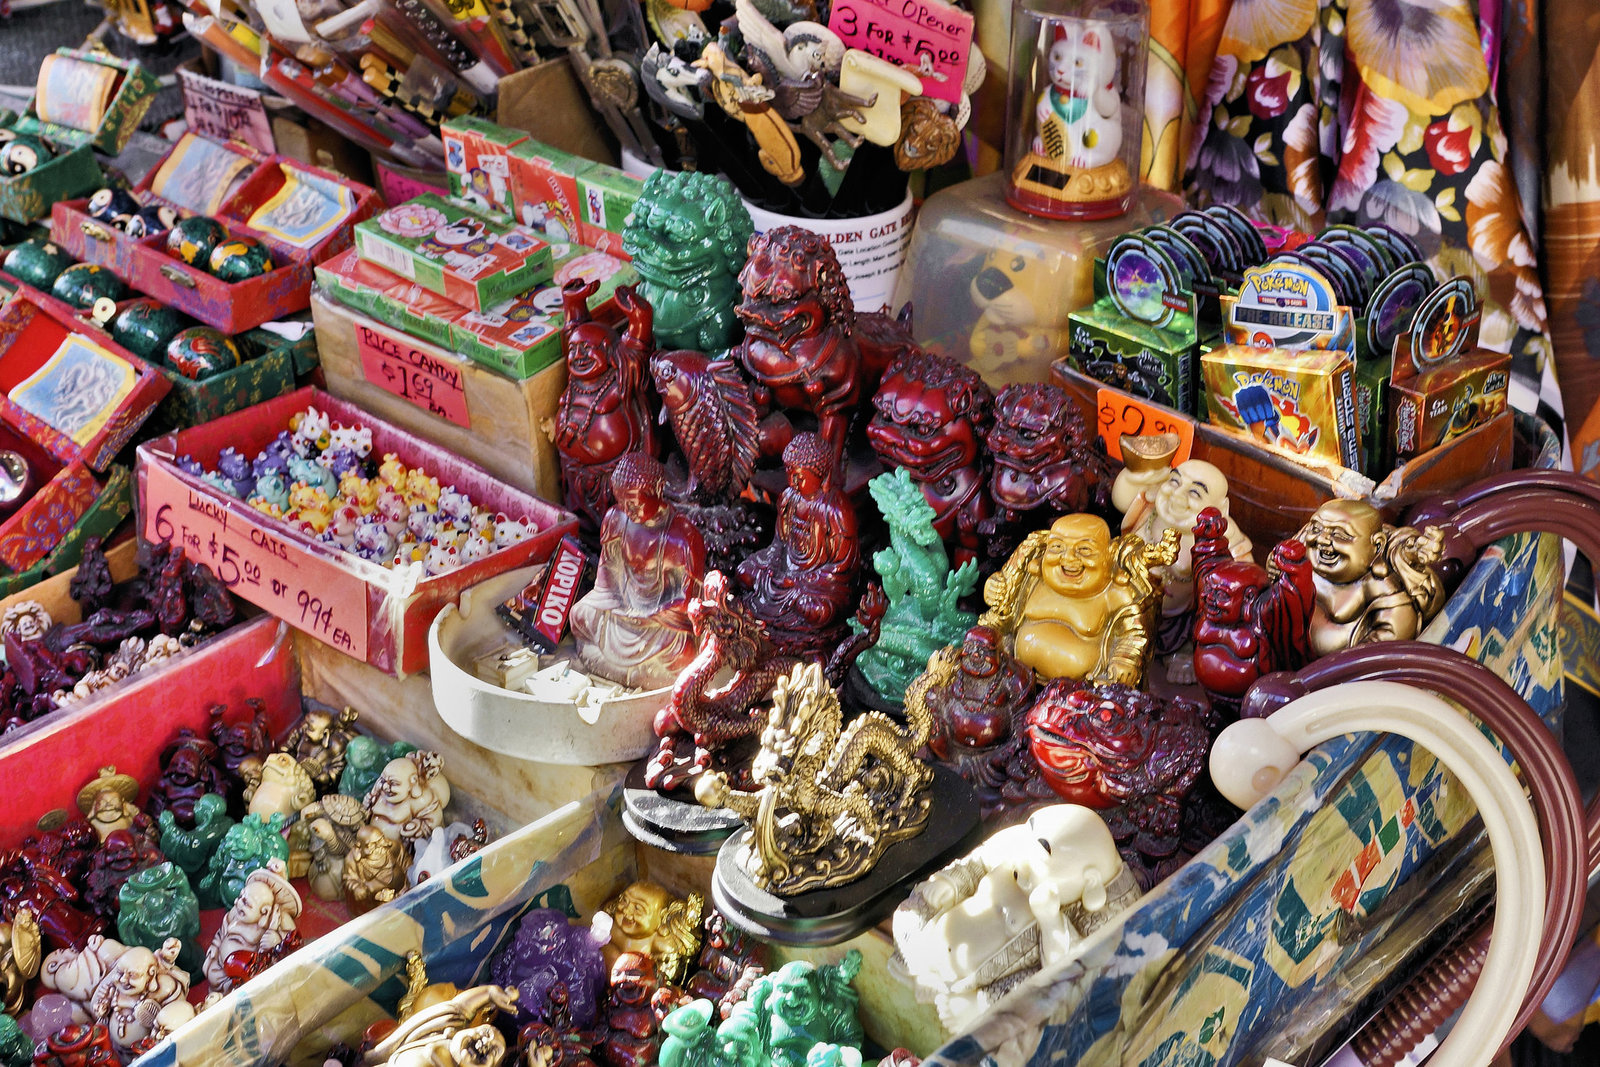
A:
(922, 590)
(191, 850)
(786, 1017)
(687, 236)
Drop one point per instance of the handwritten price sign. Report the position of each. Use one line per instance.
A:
(225, 112)
(258, 564)
(1119, 414)
(395, 364)
(930, 38)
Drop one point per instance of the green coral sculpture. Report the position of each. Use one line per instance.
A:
(923, 592)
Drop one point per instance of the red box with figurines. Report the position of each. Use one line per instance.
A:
(368, 611)
(301, 214)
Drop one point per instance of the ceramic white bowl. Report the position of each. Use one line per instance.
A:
(517, 724)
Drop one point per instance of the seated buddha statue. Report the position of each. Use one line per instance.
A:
(802, 586)
(633, 626)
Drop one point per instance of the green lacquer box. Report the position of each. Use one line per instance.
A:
(75, 172)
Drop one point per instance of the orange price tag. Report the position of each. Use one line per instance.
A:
(257, 563)
(1117, 414)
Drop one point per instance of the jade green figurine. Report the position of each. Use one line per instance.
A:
(364, 760)
(191, 850)
(922, 589)
(15, 1048)
(250, 844)
(687, 236)
(785, 1017)
(156, 904)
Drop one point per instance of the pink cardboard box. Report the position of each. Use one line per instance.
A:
(369, 612)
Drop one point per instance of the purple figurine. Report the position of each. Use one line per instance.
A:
(547, 950)
(234, 467)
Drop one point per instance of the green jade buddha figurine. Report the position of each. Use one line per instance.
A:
(786, 1016)
(156, 904)
(191, 850)
(250, 844)
(687, 236)
(921, 588)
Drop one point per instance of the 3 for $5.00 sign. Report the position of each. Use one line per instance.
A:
(930, 38)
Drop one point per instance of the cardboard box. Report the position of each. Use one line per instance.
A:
(448, 250)
(522, 336)
(544, 190)
(230, 307)
(501, 431)
(477, 154)
(373, 613)
(26, 197)
(518, 338)
(1302, 404)
(1437, 406)
(607, 196)
(1157, 364)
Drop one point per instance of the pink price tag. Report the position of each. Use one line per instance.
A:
(225, 112)
(258, 563)
(395, 364)
(930, 38)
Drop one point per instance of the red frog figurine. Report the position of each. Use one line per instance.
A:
(1251, 620)
(800, 344)
(604, 413)
(1132, 756)
(931, 415)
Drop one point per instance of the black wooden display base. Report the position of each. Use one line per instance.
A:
(676, 823)
(857, 694)
(829, 916)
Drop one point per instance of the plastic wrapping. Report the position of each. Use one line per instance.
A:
(1075, 111)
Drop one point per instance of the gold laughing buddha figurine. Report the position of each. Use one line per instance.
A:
(1079, 603)
(1374, 582)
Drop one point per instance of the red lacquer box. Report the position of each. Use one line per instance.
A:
(68, 410)
(373, 613)
(230, 183)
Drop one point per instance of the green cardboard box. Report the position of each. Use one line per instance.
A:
(606, 196)
(523, 336)
(75, 172)
(456, 253)
(544, 190)
(477, 154)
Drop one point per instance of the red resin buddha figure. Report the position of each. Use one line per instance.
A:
(802, 586)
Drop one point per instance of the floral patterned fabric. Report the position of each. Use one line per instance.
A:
(1363, 111)
(1183, 44)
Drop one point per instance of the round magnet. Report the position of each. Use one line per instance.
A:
(37, 262)
(1335, 266)
(1355, 237)
(1184, 252)
(1403, 248)
(107, 204)
(1194, 223)
(22, 154)
(1440, 328)
(1392, 305)
(239, 258)
(1337, 281)
(1140, 276)
(200, 352)
(1250, 240)
(146, 327)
